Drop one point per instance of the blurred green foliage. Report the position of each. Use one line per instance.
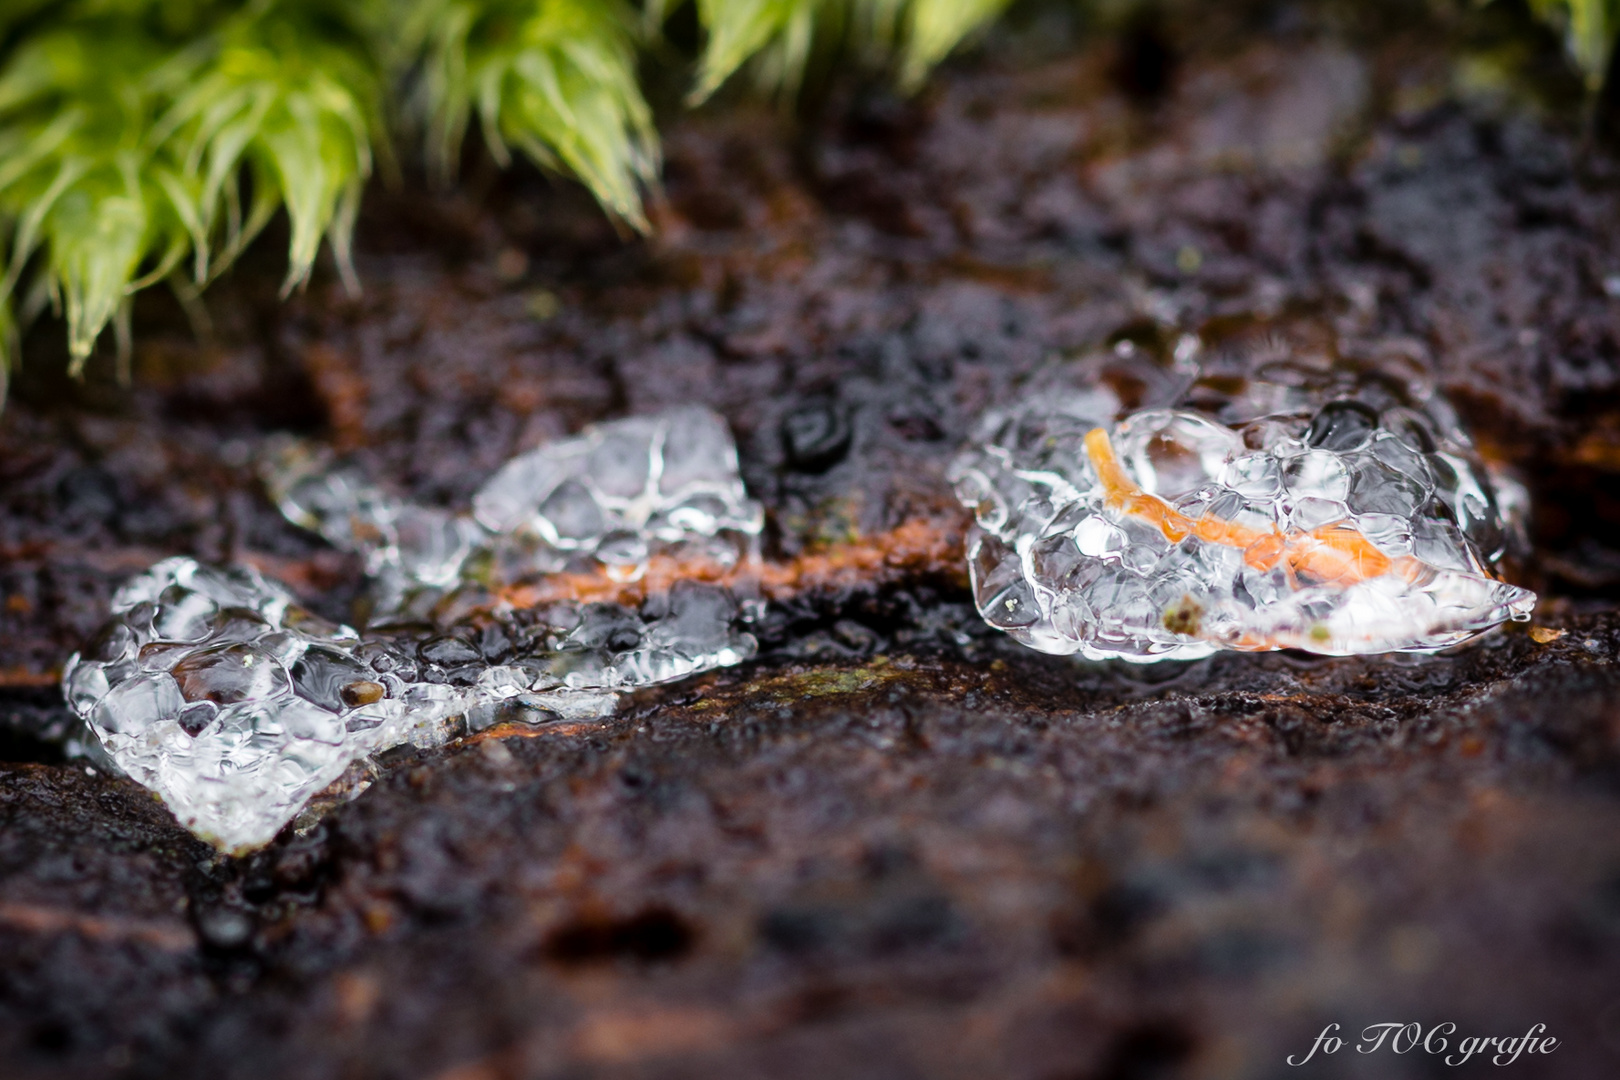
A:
(151, 140)
(1589, 31)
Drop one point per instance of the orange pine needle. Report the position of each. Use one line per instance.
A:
(1332, 553)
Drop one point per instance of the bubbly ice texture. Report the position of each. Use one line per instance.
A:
(213, 688)
(609, 498)
(1313, 509)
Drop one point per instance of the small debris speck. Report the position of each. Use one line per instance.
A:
(543, 304)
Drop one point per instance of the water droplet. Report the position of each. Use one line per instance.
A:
(571, 516)
(322, 672)
(183, 615)
(113, 642)
(86, 684)
(135, 704)
(447, 651)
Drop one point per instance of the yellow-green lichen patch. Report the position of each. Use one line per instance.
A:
(1185, 616)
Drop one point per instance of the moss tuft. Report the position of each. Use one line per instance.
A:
(1589, 31)
(152, 140)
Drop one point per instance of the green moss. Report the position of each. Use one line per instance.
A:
(808, 685)
(827, 683)
(555, 79)
(151, 140)
(132, 131)
(780, 34)
(144, 141)
(1589, 31)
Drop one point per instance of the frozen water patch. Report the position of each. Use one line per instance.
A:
(610, 499)
(1317, 510)
(213, 688)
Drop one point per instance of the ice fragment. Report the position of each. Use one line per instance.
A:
(1322, 509)
(213, 688)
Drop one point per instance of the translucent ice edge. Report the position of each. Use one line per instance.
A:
(608, 499)
(214, 689)
(1168, 536)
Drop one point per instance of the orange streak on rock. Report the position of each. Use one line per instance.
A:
(20, 676)
(631, 1035)
(344, 392)
(917, 546)
(563, 728)
(1336, 553)
(33, 918)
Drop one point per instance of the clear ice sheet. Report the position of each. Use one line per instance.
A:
(1325, 510)
(214, 689)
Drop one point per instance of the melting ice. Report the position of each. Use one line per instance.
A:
(610, 498)
(212, 687)
(1331, 511)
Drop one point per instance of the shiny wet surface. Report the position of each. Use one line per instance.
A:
(893, 845)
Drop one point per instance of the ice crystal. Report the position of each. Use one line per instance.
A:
(609, 498)
(1332, 511)
(215, 689)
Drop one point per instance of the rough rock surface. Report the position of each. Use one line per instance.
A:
(896, 844)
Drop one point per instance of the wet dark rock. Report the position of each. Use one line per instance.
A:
(382, 658)
(226, 674)
(651, 936)
(494, 643)
(447, 650)
(816, 436)
(896, 844)
(330, 678)
(1147, 58)
(89, 494)
(1342, 425)
(224, 929)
